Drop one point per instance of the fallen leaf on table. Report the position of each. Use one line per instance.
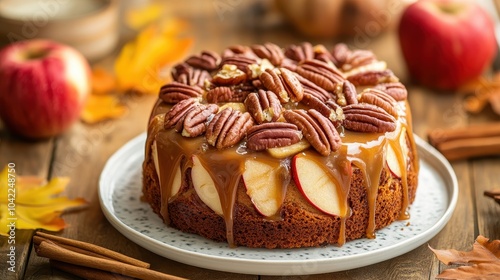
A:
(481, 92)
(33, 205)
(103, 82)
(139, 17)
(139, 64)
(482, 262)
(102, 107)
(495, 103)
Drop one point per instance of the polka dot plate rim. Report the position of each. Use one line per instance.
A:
(120, 191)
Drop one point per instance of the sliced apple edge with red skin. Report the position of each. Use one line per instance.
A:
(263, 185)
(392, 159)
(317, 186)
(204, 186)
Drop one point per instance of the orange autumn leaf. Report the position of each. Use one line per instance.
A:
(482, 262)
(102, 107)
(139, 63)
(102, 81)
(27, 204)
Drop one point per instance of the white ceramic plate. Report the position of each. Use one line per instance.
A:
(120, 192)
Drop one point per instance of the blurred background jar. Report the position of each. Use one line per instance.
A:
(89, 26)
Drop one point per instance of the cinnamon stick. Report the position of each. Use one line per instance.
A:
(495, 194)
(89, 249)
(87, 273)
(467, 142)
(50, 250)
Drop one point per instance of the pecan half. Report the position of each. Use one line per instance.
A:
(289, 64)
(269, 51)
(241, 62)
(264, 106)
(363, 117)
(372, 78)
(196, 119)
(283, 83)
(219, 94)
(226, 94)
(174, 92)
(396, 90)
(257, 84)
(358, 58)
(207, 60)
(313, 89)
(228, 127)
(348, 94)
(321, 53)
(272, 135)
(238, 50)
(185, 74)
(229, 75)
(316, 128)
(329, 109)
(178, 112)
(301, 52)
(320, 73)
(180, 69)
(380, 99)
(340, 53)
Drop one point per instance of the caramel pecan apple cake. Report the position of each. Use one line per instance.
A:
(263, 146)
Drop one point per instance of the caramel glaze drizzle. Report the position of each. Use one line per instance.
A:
(226, 169)
(364, 151)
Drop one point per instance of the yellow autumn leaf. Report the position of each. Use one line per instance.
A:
(102, 107)
(27, 204)
(139, 17)
(140, 62)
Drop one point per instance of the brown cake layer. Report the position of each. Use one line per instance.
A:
(301, 224)
(343, 108)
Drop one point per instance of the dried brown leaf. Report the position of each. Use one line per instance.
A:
(482, 262)
(474, 104)
(494, 99)
(480, 92)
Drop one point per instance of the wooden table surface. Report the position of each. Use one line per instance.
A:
(82, 152)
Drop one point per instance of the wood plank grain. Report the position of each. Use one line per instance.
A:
(434, 110)
(30, 158)
(485, 177)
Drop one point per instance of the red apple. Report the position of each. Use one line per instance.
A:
(43, 87)
(446, 43)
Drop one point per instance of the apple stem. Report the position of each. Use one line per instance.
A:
(36, 54)
(451, 8)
